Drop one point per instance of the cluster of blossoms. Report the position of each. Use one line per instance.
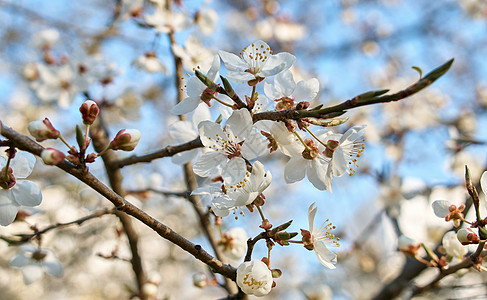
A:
(15, 194)
(454, 244)
(231, 149)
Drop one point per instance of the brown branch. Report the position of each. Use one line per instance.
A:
(27, 237)
(471, 261)
(24, 143)
(164, 152)
(100, 142)
(368, 98)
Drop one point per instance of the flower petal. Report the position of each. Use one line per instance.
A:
(187, 105)
(311, 216)
(317, 174)
(184, 157)
(325, 256)
(211, 133)
(8, 208)
(232, 62)
(240, 77)
(441, 208)
(483, 182)
(32, 273)
(23, 164)
(234, 171)
(240, 124)
(306, 90)
(53, 268)
(27, 193)
(209, 163)
(182, 131)
(284, 82)
(295, 169)
(277, 63)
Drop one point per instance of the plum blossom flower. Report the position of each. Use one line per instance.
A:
(254, 278)
(255, 62)
(279, 137)
(334, 155)
(317, 239)
(61, 83)
(206, 20)
(311, 163)
(286, 91)
(198, 91)
(230, 196)
(227, 147)
(184, 131)
(150, 63)
(35, 262)
(452, 245)
(165, 21)
(194, 54)
(444, 209)
(234, 243)
(14, 194)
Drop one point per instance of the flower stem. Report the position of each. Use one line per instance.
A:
(226, 104)
(301, 140)
(313, 135)
(261, 213)
(64, 141)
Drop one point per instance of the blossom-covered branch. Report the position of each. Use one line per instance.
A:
(24, 143)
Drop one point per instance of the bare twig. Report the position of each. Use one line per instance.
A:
(23, 238)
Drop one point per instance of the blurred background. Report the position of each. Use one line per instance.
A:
(53, 54)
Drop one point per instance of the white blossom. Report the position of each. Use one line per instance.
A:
(254, 278)
(255, 62)
(35, 262)
(452, 245)
(227, 147)
(23, 192)
(320, 239)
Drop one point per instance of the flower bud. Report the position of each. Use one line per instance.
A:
(52, 156)
(89, 110)
(126, 140)
(42, 130)
(200, 280)
(149, 289)
(467, 236)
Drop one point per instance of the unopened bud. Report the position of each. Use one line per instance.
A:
(467, 236)
(200, 280)
(149, 289)
(89, 110)
(126, 140)
(42, 130)
(52, 156)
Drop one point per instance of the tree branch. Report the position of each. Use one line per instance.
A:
(24, 143)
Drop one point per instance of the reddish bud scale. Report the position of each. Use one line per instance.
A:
(7, 179)
(284, 103)
(42, 130)
(89, 111)
(52, 156)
